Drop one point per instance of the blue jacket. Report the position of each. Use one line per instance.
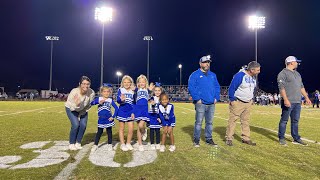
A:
(204, 86)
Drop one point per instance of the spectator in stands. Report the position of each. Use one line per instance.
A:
(77, 107)
(241, 96)
(205, 91)
(291, 87)
(316, 99)
(276, 98)
(31, 96)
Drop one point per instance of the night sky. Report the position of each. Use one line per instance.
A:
(182, 30)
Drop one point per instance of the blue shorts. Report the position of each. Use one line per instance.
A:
(141, 113)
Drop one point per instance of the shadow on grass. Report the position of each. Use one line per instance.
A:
(221, 130)
(271, 135)
(189, 130)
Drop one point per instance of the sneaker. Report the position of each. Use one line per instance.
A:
(109, 147)
(72, 147)
(211, 143)
(141, 148)
(152, 147)
(94, 148)
(283, 142)
(300, 142)
(158, 146)
(162, 148)
(145, 135)
(172, 148)
(78, 146)
(129, 146)
(123, 147)
(249, 142)
(196, 144)
(229, 142)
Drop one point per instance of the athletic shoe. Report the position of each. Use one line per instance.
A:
(211, 143)
(109, 147)
(283, 142)
(162, 148)
(123, 147)
(229, 143)
(158, 146)
(72, 147)
(94, 148)
(249, 142)
(300, 142)
(172, 148)
(196, 144)
(78, 146)
(141, 148)
(152, 147)
(129, 146)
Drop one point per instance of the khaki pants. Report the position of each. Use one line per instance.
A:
(238, 110)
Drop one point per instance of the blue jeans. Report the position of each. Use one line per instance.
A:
(207, 112)
(78, 127)
(294, 113)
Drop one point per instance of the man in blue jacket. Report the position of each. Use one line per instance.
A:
(205, 92)
(241, 92)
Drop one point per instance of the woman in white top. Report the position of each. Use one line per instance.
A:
(77, 107)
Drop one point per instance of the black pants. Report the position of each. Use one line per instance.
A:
(157, 131)
(316, 102)
(99, 133)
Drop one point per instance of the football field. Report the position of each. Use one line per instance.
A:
(34, 145)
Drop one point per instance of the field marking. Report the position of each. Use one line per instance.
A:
(32, 110)
(67, 171)
(184, 112)
(308, 140)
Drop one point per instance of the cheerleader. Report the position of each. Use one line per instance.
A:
(106, 119)
(125, 112)
(168, 121)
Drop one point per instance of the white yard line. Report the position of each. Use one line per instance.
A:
(67, 171)
(308, 140)
(32, 110)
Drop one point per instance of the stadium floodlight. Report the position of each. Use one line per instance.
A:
(103, 14)
(180, 68)
(118, 73)
(255, 23)
(148, 38)
(51, 38)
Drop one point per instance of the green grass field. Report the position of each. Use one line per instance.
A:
(26, 122)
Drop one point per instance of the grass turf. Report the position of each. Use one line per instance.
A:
(47, 121)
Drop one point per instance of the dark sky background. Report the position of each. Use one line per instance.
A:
(183, 31)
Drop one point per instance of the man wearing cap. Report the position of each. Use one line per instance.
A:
(241, 92)
(205, 92)
(291, 87)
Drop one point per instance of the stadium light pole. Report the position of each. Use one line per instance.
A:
(118, 73)
(255, 23)
(148, 38)
(104, 15)
(51, 38)
(180, 67)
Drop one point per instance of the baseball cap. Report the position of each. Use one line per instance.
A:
(205, 58)
(292, 59)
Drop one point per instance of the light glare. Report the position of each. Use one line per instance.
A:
(103, 14)
(256, 22)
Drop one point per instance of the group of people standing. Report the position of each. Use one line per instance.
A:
(205, 92)
(133, 107)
